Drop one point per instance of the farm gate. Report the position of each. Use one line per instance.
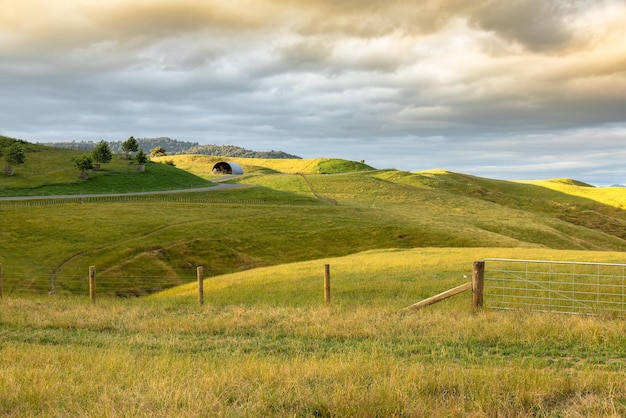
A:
(555, 286)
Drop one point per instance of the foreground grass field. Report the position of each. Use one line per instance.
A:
(264, 345)
(64, 358)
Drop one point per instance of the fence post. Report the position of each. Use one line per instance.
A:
(478, 284)
(92, 284)
(0, 280)
(327, 284)
(200, 275)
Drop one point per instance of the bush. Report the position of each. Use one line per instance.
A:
(84, 162)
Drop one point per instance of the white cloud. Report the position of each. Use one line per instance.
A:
(504, 89)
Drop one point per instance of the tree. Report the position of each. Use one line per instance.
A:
(158, 152)
(84, 163)
(15, 155)
(102, 153)
(130, 145)
(141, 157)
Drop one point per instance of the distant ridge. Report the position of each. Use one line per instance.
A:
(174, 147)
(235, 151)
(570, 182)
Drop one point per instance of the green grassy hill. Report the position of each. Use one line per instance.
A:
(288, 213)
(50, 171)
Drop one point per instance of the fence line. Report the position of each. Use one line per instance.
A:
(556, 286)
(38, 201)
(96, 286)
(16, 280)
(535, 285)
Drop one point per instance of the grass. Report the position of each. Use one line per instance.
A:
(51, 171)
(284, 218)
(202, 165)
(263, 344)
(612, 196)
(389, 279)
(167, 356)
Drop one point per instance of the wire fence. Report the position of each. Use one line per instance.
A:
(117, 283)
(38, 201)
(532, 285)
(555, 286)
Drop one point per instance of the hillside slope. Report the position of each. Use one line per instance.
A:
(288, 214)
(203, 164)
(461, 210)
(50, 171)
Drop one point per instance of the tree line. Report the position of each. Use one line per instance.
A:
(174, 147)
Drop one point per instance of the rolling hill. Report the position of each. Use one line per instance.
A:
(264, 343)
(288, 212)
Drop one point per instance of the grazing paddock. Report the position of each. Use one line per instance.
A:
(267, 340)
(172, 357)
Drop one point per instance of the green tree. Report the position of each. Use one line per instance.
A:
(102, 153)
(141, 157)
(84, 163)
(15, 155)
(158, 152)
(130, 145)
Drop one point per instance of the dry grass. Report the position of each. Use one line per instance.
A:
(264, 344)
(612, 196)
(202, 165)
(164, 358)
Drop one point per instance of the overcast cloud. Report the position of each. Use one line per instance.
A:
(515, 89)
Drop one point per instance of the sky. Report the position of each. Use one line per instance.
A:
(506, 89)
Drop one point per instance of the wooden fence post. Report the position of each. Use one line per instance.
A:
(327, 284)
(478, 284)
(200, 275)
(92, 284)
(440, 297)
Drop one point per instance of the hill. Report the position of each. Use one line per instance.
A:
(6, 142)
(50, 171)
(202, 165)
(264, 344)
(288, 212)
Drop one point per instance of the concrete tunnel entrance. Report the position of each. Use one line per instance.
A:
(224, 167)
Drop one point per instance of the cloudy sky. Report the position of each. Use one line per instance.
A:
(508, 89)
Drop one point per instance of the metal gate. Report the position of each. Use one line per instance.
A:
(555, 286)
